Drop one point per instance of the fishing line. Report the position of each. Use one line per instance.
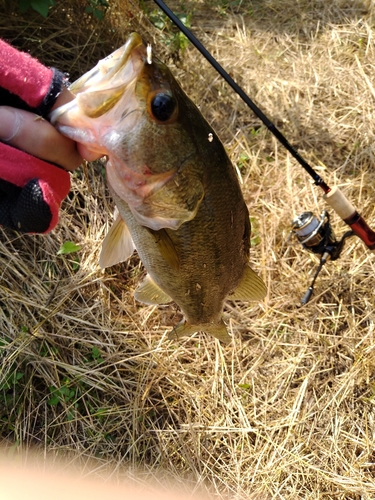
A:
(333, 196)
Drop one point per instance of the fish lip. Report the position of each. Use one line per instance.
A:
(128, 50)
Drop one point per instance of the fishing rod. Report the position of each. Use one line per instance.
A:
(315, 235)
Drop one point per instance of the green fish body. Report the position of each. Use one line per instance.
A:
(177, 193)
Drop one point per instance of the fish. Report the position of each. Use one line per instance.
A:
(179, 201)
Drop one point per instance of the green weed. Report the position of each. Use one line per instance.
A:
(97, 8)
(66, 395)
(255, 235)
(40, 6)
(173, 36)
(68, 248)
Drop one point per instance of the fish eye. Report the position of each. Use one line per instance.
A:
(163, 106)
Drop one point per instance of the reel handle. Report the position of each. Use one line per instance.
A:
(342, 206)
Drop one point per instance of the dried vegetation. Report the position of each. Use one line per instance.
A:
(287, 410)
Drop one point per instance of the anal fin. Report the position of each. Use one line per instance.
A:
(166, 247)
(250, 288)
(150, 293)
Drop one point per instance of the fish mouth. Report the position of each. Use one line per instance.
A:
(99, 90)
(105, 109)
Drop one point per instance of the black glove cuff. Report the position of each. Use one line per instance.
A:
(59, 81)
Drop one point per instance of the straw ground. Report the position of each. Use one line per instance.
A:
(287, 410)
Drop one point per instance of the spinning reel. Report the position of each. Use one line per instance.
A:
(317, 236)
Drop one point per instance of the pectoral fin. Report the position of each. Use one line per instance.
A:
(217, 330)
(173, 200)
(251, 287)
(117, 245)
(149, 292)
(166, 247)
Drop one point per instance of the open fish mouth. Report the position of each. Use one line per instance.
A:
(99, 90)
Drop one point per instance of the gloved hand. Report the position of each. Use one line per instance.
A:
(33, 154)
(31, 191)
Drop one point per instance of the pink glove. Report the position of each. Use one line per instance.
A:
(31, 190)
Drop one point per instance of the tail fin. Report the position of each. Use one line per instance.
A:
(217, 330)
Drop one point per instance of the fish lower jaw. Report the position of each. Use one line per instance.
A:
(57, 113)
(79, 135)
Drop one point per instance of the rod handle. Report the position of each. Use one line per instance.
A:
(342, 206)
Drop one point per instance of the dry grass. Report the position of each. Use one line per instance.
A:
(286, 410)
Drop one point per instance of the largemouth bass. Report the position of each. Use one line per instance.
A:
(177, 193)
